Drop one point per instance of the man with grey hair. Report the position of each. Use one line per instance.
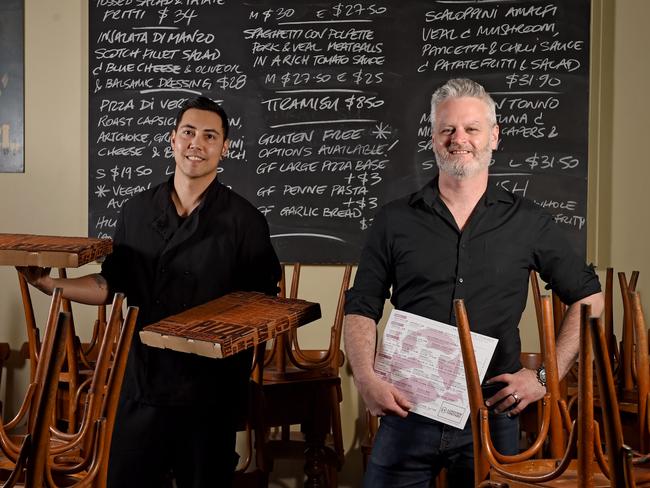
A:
(459, 237)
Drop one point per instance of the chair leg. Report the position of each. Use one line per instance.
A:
(332, 477)
(441, 479)
(315, 466)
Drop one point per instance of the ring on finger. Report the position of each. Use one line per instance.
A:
(515, 397)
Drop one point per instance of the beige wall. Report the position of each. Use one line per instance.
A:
(630, 172)
(50, 197)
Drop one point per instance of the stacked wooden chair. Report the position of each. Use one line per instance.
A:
(79, 358)
(303, 387)
(583, 462)
(78, 457)
(548, 325)
(30, 462)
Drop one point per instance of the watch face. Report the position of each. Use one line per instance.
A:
(542, 375)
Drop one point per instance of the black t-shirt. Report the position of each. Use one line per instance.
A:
(165, 265)
(416, 248)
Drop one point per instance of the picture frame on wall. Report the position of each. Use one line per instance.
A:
(12, 87)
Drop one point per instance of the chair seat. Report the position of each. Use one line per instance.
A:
(293, 374)
(540, 466)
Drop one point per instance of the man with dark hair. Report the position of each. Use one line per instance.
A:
(185, 242)
(459, 237)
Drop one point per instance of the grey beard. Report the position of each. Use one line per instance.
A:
(458, 170)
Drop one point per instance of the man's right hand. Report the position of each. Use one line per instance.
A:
(381, 398)
(38, 277)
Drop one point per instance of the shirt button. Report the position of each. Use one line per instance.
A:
(460, 280)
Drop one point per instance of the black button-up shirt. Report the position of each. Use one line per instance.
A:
(165, 265)
(416, 248)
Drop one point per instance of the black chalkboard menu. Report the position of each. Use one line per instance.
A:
(329, 104)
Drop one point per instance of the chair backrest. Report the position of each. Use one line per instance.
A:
(87, 353)
(42, 363)
(28, 412)
(557, 316)
(33, 335)
(77, 357)
(642, 371)
(109, 348)
(485, 455)
(547, 328)
(93, 440)
(608, 316)
(286, 348)
(34, 451)
(115, 380)
(53, 356)
(626, 367)
(619, 456)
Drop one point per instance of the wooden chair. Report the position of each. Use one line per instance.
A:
(631, 384)
(635, 414)
(558, 389)
(33, 452)
(530, 420)
(303, 387)
(493, 469)
(79, 361)
(621, 461)
(608, 317)
(622, 359)
(26, 413)
(626, 373)
(90, 392)
(81, 457)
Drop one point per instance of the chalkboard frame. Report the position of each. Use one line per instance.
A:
(298, 250)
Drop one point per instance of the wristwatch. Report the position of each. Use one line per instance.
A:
(541, 375)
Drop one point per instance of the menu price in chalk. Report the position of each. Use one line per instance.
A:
(329, 104)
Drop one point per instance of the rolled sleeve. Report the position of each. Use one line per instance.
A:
(372, 281)
(566, 273)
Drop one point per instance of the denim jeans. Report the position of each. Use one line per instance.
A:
(411, 451)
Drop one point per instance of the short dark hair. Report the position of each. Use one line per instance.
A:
(204, 103)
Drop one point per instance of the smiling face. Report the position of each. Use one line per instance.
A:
(463, 137)
(198, 144)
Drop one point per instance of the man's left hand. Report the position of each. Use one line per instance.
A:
(522, 388)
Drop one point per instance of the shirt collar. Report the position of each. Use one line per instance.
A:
(163, 197)
(430, 192)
